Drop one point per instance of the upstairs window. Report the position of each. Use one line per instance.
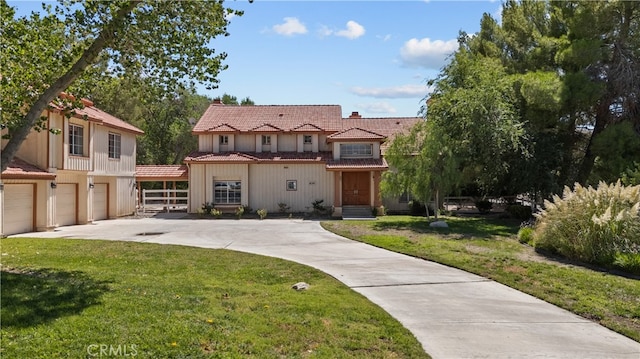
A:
(308, 139)
(76, 140)
(224, 140)
(356, 150)
(115, 141)
(266, 140)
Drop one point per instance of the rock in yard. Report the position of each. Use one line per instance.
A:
(439, 224)
(300, 286)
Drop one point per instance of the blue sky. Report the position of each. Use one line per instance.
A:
(373, 57)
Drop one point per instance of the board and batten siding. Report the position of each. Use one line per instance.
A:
(268, 186)
(102, 164)
(201, 177)
(245, 143)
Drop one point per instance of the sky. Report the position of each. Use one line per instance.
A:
(373, 57)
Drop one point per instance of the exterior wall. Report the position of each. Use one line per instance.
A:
(264, 185)
(287, 143)
(375, 150)
(78, 163)
(102, 164)
(205, 143)
(201, 177)
(244, 143)
(34, 148)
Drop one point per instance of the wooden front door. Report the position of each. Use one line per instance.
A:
(356, 188)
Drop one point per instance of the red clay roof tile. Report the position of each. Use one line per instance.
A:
(162, 171)
(20, 169)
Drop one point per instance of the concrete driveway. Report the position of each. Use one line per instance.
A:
(453, 314)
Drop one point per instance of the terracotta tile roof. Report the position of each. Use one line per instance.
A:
(259, 157)
(355, 134)
(285, 117)
(19, 169)
(106, 119)
(357, 163)
(224, 128)
(150, 172)
(97, 115)
(265, 127)
(387, 126)
(307, 127)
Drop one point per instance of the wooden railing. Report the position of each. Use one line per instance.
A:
(164, 200)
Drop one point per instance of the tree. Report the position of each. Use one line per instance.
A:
(423, 163)
(166, 117)
(72, 46)
(232, 100)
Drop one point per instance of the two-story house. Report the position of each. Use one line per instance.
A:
(83, 174)
(264, 156)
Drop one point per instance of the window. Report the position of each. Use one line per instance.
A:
(224, 139)
(266, 139)
(308, 139)
(352, 150)
(227, 192)
(292, 185)
(114, 145)
(76, 140)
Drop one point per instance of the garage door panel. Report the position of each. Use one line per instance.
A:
(100, 202)
(66, 204)
(18, 208)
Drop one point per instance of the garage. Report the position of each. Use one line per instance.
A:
(100, 202)
(19, 208)
(66, 203)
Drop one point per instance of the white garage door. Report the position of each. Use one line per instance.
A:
(100, 201)
(66, 204)
(18, 208)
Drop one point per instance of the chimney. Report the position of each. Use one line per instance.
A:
(217, 101)
(355, 114)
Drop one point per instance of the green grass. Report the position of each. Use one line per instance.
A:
(71, 298)
(490, 248)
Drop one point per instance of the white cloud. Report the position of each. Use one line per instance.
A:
(377, 107)
(324, 31)
(384, 38)
(404, 91)
(291, 26)
(353, 30)
(426, 53)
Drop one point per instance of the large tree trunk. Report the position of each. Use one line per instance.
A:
(88, 57)
(602, 120)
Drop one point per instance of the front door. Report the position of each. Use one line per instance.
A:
(356, 188)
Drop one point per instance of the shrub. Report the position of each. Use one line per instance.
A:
(592, 225)
(207, 207)
(484, 206)
(318, 206)
(525, 235)
(417, 208)
(283, 207)
(262, 213)
(519, 212)
(239, 211)
(215, 212)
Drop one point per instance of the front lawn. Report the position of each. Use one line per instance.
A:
(489, 247)
(66, 298)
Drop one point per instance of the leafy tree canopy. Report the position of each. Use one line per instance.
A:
(73, 45)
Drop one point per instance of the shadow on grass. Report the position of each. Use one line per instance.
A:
(32, 297)
(481, 227)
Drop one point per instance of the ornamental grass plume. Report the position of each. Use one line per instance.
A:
(592, 225)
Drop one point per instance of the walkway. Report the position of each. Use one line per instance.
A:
(453, 314)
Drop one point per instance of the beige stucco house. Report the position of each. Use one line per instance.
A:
(264, 156)
(84, 174)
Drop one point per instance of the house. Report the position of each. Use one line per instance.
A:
(85, 173)
(290, 156)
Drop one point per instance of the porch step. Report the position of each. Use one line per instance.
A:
(357, 212)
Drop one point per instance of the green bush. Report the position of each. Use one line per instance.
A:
(591, 225)
(215, 212)
(484, 206)
(525, 235)
(262, 213)
(519, 212)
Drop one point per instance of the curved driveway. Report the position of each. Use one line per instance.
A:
(453, 314)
